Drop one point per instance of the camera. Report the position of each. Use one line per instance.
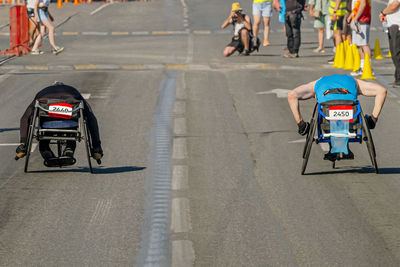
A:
(237, 12)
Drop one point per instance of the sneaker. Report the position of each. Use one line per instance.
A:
(97, 153)
(37, 52)
(357, 72)
(319, 50)
(245, 53)
(57, 50)
(291, 55)
(330, 61)
(266, 43)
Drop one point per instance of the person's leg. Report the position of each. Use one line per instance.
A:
(229, 50)
(256, 25)
(39, 37)
(50, 26)
(289, 33)
(296, 33)
(266, 31)
(394, 46)
(321, 32)
(70, 149)
(244, 34)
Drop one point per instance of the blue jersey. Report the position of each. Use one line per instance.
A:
(336, 87)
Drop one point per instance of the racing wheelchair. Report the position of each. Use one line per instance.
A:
(59, 121)
(346, 111)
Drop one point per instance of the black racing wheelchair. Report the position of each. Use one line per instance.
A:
(347, 111)
(59, 121)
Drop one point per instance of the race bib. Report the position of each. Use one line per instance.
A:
(60, 110)
(341, 113)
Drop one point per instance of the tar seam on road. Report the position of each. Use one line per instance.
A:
(155, 242)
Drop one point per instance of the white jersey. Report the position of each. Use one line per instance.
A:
(30, 4)
(393, 18)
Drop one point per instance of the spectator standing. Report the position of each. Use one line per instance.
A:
(44, 19)
(261, 8)
(391, 14)
(319, 9)
(337, 10)
(293, 17)
(33, 26)
(360, 20)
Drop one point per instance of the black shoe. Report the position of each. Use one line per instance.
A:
(330, 61)
(348, 156)
(245, 53)
(330, 156)
(47, 154)
(395, 84)
(97, 153)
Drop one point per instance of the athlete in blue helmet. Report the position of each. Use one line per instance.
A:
(336, 87)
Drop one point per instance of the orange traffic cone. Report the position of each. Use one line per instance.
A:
(59, 3)
(356, 58)
(377, 50)
(76, 2)
(367, 71)
(349, 61)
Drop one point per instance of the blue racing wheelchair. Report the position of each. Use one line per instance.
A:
(345, 115)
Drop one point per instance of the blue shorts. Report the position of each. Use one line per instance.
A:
(264, 9)
(42, 15)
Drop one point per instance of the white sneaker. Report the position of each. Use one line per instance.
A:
(319, 50)
(58, 50)
(37, 52)
(357, 72)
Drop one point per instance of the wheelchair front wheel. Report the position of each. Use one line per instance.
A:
(370, 144)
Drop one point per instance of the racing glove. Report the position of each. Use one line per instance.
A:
(371, 121)
(304, 127)
(21, 151)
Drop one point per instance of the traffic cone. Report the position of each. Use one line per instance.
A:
(349, 61)
(336, 58)
(356, 58)
(59, 3)
(340, 61)
(377, 50)
(346, 46)
(367, 71)
(389, 54)
(76, 2)
(65, 1)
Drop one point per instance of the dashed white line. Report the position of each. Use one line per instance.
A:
(180, 126)
(180, 219)
(179, 148)
(180, 177)
(95, 33)
(180, 107)
(182, 253)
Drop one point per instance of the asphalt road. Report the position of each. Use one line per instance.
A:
(202, 156)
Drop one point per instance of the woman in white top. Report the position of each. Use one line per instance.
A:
(44, 18)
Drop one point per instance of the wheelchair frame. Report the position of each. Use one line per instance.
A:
(35, 131)
(362, 133)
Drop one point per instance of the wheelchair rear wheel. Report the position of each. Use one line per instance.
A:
(309, 141)
(370, 143)
(30, 140)
(87, 145)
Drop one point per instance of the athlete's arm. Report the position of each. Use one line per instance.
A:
(303, 92)
(373, 89)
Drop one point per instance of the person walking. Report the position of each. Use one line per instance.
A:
(360, 21)
(293, 17)
(319, 10)
(44, 19)
(391, 14)
(261, 8)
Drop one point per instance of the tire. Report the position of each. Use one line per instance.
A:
(86, 140)
(309, 141)
(30, 139)
(370, 143)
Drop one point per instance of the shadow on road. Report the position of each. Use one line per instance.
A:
(364, 169)
(96, 170)
(8, 129)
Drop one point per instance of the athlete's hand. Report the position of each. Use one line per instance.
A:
(21, 151)
(371, 121)
(304, 127)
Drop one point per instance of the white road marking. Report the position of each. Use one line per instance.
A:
(140, 33)
(86, 96)
(179, 148)
(95, 33)
(101, 211)
(180, 219)
(100, 8)
(182, 253)
(179, 108)
(180, 179)
(280, 93)
(33, 148)
(303, 140)
(180, 126)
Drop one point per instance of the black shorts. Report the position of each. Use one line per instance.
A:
(237, 42)
(338, 24)
(31, 12)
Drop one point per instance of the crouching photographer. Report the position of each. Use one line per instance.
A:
(242, 32)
